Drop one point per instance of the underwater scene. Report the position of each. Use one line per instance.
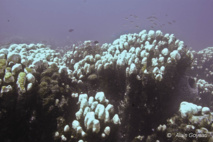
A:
(106, 71)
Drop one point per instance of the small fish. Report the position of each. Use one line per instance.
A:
(95, 42)
(131, 21)
(166, 15)
(135, 16)
(150, 17)
(154, 17)
(152, 27)
(137, 26)
(169, 23)
(173, 21)
(8, 20)
(126, 18)
(155, 24)
(71, 30)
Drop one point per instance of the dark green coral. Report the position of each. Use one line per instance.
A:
(7, 75)
(8, 69)
(3, 63)
(21, 80)
(29, 70)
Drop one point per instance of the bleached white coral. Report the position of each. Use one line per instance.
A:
(187, 108)
(100, 97)
(175, 55)
(133, 69)
(95, 115)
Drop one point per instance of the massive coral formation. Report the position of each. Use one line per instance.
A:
(141, 72)
(127, 88)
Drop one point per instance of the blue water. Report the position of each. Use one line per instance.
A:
(104, 20)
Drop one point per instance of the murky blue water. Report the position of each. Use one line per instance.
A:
(104, 20)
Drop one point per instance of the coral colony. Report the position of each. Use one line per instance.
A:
(142, 87)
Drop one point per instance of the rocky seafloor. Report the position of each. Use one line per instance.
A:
(143, 87)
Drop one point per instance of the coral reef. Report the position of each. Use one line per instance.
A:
(94, 121)
(128, 90)
(191, 123)
(202, 66)
(202, 70)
